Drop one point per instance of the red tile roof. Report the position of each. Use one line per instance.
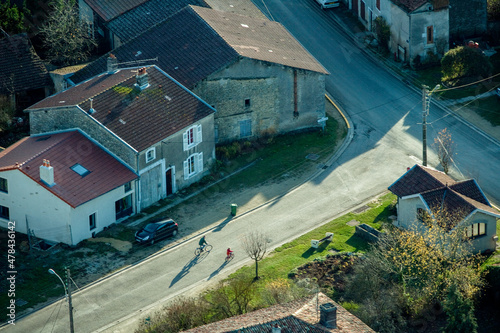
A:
(438, 189)
(411, 5)
(108, 9)
(64, 150)
(298, 316)
(140, 118)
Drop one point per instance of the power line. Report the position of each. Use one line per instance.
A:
(470, 84)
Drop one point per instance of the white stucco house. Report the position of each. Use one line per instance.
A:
(422, 190)
(63, 187)
(419, 28)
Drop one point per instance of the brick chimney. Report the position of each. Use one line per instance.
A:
(112, 64)
(142, 79)
(47, 173)
(328, 315)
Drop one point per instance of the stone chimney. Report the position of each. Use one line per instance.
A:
(112, 64)
(328, 315)
(276, 328)
(142, 79)
(47, 173)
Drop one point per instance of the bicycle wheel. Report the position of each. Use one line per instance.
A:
(208, 248)
(197, 251)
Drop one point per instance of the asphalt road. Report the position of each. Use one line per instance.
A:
(386, 139)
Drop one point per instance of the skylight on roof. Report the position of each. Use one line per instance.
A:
(79, 169)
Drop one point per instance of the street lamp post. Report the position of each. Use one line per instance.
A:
(68, 296)
(426, 102)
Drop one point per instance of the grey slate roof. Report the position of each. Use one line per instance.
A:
(20, 67)
(139, 19)
(196, 42)
(140, 118)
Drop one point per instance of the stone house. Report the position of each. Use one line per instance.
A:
(62, 187)
(24, 80)
(421, 191)
(419, 28)
(258, 77)
(468, 18)
(145, 118)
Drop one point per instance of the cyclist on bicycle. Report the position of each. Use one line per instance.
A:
(229, 253)
(202, 243)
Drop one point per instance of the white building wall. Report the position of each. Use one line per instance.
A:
(48, 216)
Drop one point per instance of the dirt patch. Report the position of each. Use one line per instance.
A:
(329, 272)
(122, 246)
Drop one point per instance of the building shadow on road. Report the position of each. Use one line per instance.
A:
(223, 223)
(187, 267)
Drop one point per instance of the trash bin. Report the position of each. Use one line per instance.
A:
(233, 209)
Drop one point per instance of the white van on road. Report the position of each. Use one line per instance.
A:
(328, 3)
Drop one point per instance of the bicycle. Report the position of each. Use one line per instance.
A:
(201, 249)
(230, 256)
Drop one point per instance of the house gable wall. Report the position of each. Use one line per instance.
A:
(270, 94)
(407, 219)
(64, 118)
(420, 20)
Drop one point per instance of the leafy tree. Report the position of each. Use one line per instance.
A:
(460, 312)
(66, 38)
(11, 18)
(6, 113)
(464, 64)
(445, 149)
(493, 10)
(409, 271)
(255, 245)
(383, 31)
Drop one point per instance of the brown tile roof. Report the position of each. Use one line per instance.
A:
(438, 189)
(411, 5)
(20, 67)
(298, 316)
(260, 39)
(140, 118)
(64, 150)
(189, 49)
(109, 9)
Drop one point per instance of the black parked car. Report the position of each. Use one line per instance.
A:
(156, 231)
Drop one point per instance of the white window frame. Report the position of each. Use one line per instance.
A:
(196, 137)
(193, 165)
(151, 157)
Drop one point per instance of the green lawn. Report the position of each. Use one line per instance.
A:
(291, 255)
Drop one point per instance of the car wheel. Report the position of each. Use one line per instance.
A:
(174, 233)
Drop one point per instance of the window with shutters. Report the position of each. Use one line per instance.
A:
(193, 165)
(4, 212)
(192, 137)
(378, 4)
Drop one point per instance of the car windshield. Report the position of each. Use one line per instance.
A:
(151, 227)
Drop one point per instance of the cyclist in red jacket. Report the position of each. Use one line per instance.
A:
(229, 253)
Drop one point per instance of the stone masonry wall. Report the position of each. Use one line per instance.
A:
(65, 118)
(468, 18)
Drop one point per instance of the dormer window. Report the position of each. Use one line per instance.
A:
(150, 154)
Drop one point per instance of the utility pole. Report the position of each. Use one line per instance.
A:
(426, 103)
(425, 112)
(71, 325)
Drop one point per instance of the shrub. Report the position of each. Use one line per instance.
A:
(383, 31)
(464, 64)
